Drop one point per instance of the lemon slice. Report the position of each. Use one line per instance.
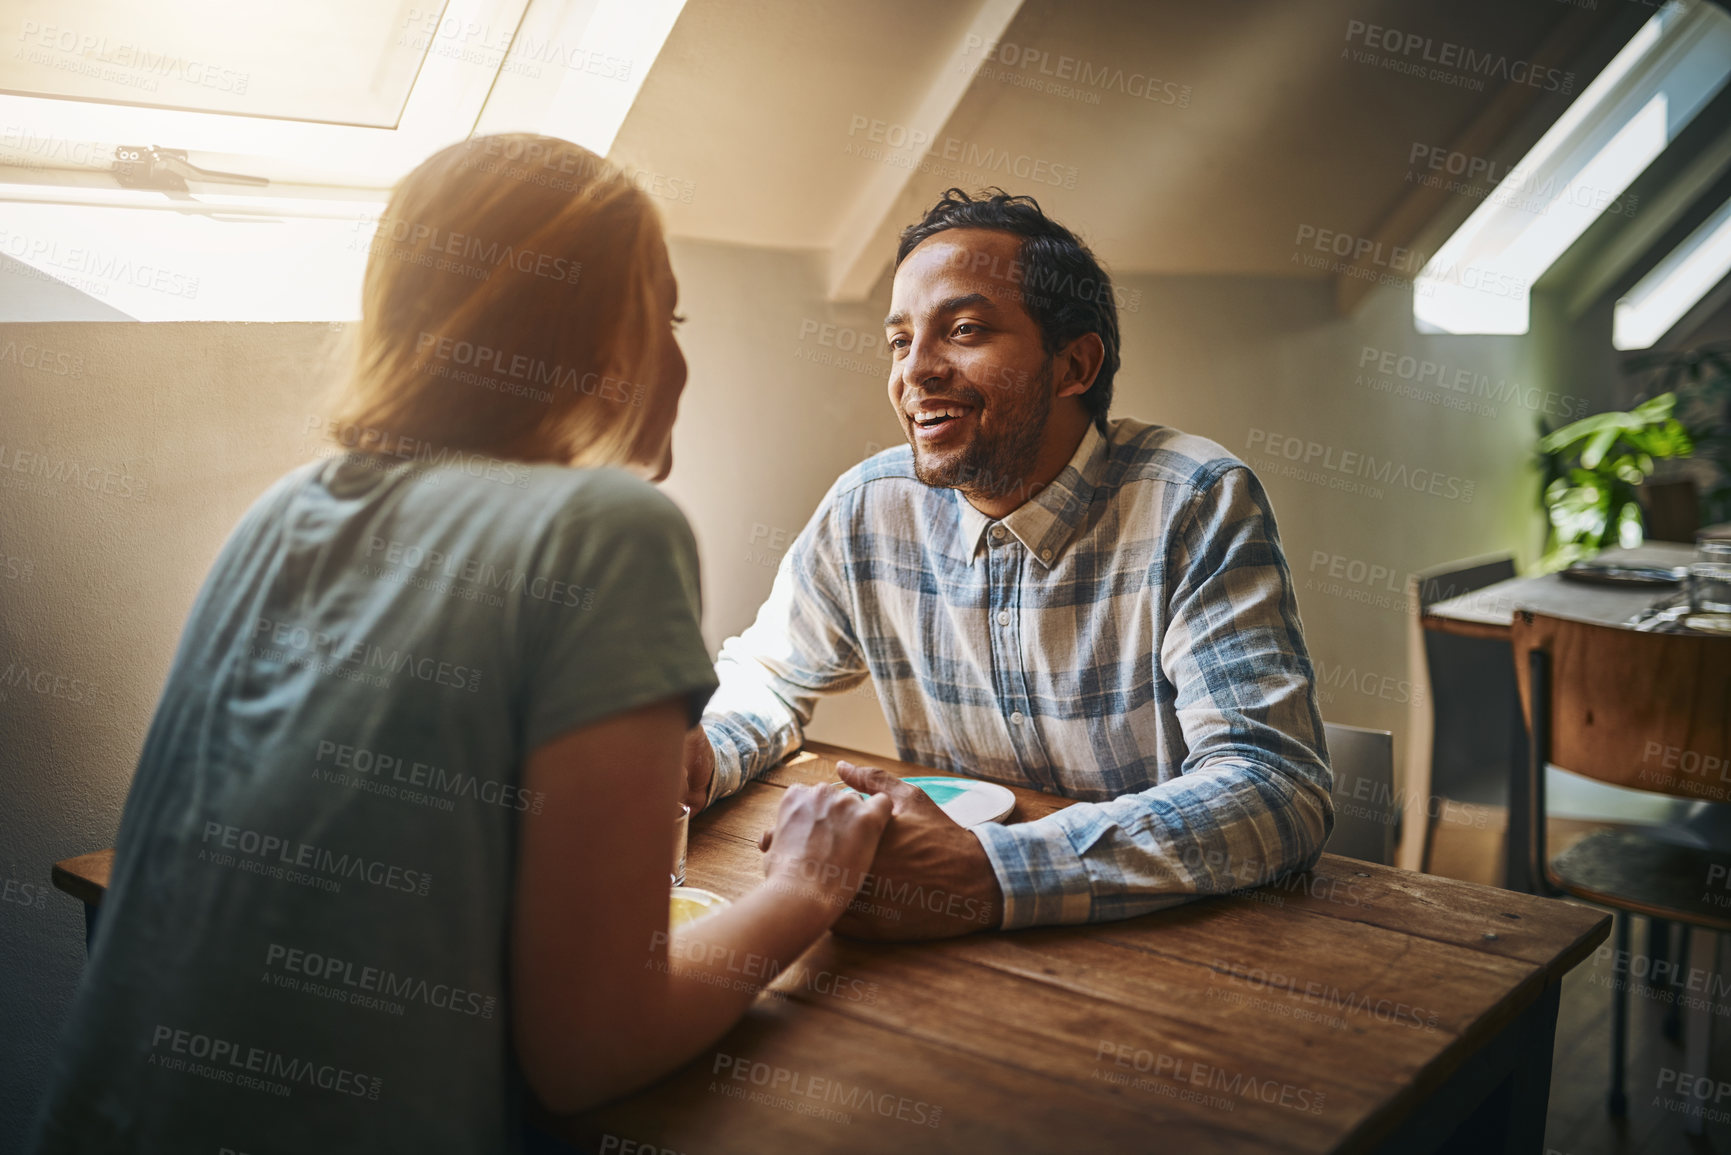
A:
(691, 903)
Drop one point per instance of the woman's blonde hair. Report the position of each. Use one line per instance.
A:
(509, 309)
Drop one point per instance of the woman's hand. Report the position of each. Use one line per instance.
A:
(699, 768)
(822, 844)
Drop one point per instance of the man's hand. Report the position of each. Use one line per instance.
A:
(930, 878)
(699, 768)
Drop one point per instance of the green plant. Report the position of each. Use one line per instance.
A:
(1588, 473)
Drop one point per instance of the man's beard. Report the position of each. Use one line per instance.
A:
(994, 467)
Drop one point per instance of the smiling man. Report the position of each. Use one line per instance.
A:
(1044, 597)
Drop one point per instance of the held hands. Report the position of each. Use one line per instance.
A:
(821, 846)
(930, 878)
(699, 761)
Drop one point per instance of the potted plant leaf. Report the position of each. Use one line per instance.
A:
(1588, 473)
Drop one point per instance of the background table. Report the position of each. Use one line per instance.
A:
(1353, 1008)
(1490, 612)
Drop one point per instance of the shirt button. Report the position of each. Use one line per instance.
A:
(1016, 718)
(1003, 617)
(997, 533)
(1045, 555)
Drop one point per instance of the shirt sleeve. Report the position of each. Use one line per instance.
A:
(801, 646)
(1251, 801)
(613, 608)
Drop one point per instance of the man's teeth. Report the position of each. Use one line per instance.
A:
(927, 416)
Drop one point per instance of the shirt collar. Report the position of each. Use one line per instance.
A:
(1047, 522)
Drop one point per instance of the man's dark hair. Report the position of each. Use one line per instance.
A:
(1062, 286)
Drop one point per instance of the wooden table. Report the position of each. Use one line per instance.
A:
(1167, 1032)
(1354, 1008)
(1490, 612)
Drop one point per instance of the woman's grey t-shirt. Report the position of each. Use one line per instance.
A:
(304, 947)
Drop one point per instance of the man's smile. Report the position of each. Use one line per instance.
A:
(936, 420)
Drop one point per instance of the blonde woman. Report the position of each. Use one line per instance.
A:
(397, 849)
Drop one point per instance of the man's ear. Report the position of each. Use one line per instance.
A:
(1078, 363)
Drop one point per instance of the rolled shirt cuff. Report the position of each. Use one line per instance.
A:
(1044, 881)
(739, 756)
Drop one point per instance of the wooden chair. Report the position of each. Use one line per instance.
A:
(1366, 808)
(1645, 711)
(1465, 738)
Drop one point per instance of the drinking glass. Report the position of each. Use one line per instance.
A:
(1710, 578)
(681, 835)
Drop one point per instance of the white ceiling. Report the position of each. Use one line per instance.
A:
(750, 106)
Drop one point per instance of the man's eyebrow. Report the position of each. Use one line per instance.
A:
(948, 305)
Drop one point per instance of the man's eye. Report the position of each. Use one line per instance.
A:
(898, 342)
(966, 328)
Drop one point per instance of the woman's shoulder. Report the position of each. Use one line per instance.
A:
(604, 498)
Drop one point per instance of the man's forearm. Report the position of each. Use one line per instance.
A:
(745, 746)
(1096, 862)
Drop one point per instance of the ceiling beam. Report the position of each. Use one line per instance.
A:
(1568, 39)
(1637, 238)
(865, 241)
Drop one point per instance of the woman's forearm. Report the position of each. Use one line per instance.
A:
(712, 969)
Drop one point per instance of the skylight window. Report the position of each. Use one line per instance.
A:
(1675, 285)
(318, 107)
(1480, 280)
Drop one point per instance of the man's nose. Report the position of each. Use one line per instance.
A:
(924, 362)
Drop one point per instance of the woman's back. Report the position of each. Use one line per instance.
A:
(304, 947)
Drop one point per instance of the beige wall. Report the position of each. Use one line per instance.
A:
(117, 486)
(176, 428)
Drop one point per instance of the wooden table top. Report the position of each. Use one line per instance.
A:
(1490, 612)
(1312, 1015)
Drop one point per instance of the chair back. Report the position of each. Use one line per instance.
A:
(1457, 578)
(1472, 757)
(1365, 808)
(1462, 739)
(1647, 711)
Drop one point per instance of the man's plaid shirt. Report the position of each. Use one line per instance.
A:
(1128, 637)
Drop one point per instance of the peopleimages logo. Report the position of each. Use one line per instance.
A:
(1498, 184)
(1234, 1085)
(1074, 70)
(364, 986)
(90, 54)
(1348, 464)
(970, 159)
(484, 254)
(46, 469)
(47, 683)
(372, 440)
(1449, 60)
(107, 268)
(1384, 1010)
(529, 371)
(32, 356)
(281, 852)
(355, 658)
(227, 1061)
(807, 1094)
(1469, 383)
(30, 149)
(360, 765)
